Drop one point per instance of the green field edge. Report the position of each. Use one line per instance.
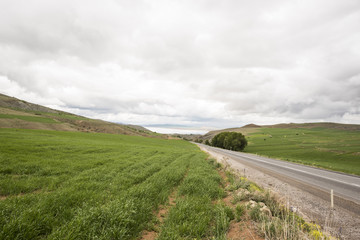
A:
(349, 166)
(305, 164)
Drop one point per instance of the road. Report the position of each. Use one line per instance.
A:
(316, 181)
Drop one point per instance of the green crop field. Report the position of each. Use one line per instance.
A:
(332, 149)
(72, 185)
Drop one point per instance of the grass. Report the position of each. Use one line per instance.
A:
(62, 115)
(333, 149)
(195, 216)
(239, 211)
(72, 185)
(29, 118)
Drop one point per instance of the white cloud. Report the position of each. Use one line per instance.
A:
(202, 63)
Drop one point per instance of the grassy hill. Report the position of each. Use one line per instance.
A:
(245, 130)
(329, 148)
(327, 145)
(252, 128)
(16, 113)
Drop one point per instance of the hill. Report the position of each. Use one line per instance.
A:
(331, 146)
(252, 128)
(16, 113)
(329, 125)
(245, 130)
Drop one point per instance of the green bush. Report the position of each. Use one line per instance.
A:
(229, 213)
(239, 211)
(229, 140)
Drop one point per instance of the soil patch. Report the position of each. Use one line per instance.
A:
(241, 230)
(160, 215)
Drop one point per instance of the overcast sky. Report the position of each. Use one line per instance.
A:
(194, 63)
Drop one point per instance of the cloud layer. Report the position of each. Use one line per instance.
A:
(196, 63)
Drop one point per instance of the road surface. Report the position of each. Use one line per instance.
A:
(316, 181)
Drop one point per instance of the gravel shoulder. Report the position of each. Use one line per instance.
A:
(338, 222)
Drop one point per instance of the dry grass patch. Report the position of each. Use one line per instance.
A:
(259, 214)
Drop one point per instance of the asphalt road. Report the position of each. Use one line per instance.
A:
(314, 180)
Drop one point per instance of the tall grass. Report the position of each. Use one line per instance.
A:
(66, 185)
(127, 216)
(195, 215)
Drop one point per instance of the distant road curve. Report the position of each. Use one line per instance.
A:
(316, 181)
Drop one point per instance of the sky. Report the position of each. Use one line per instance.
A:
(200, 64)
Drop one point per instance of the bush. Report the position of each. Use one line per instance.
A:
(229, 213)
(239, 211)
(255, 213)
(229, 140)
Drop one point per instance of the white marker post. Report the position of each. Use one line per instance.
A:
(332, 199)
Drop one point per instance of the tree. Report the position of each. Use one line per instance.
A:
(207, 142)
(229, 140)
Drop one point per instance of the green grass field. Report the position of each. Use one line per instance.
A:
(337, 150)
(28, 118)
(72, 185)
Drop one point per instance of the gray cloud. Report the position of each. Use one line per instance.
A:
(202, 63)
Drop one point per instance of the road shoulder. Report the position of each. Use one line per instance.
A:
(338, 222)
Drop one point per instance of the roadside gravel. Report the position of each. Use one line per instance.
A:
(339, 222)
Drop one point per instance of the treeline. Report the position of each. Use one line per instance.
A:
(228, 140)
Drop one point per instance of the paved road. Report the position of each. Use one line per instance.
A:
(316, 181)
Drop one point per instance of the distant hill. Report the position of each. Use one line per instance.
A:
(251, 128)
(340, 126)
(251, 125)
(244, 130)
(16, 113)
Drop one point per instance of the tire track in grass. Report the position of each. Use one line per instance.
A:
(162, 212)
(160, 216)
(96, 176)
(37, 191)
(195, 216)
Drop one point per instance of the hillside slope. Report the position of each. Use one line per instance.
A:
(245, 130)
(16, 113)
(329, 125)
(252, 128)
